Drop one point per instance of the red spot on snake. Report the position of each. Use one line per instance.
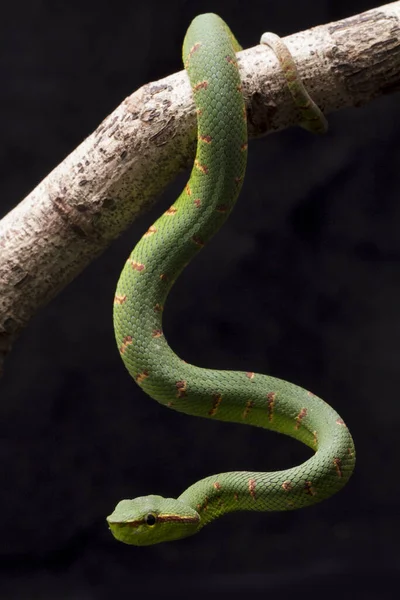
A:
(188, 189)
(238, 180)
(120, 299)
(250, 374)
(192, 50)
(244, 147)
(127, 341)
(252, 488)
(164, 277)
(309, 488)
(137, 266)
(217, 399)
(231, 60)
(341, 422)
(249, 406)
(202, 85)
(271, 397)
(239, 87)
(151, 230)
(141, 376)
(338, 464)
(287, 486)
(158, 308)
(350, 451)
(205, 138)
(236, 496)
(300, 417)
(199, 112)
(311, 394)
(169, 404)
(181, 388)
(217, 485)
(202, 168)
(156, 333)
(197, 241)
(222, 208)
(171, 211)
(197, 202)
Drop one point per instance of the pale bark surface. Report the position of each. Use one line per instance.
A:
(114, 175)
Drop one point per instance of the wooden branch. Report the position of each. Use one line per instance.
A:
(103, 185)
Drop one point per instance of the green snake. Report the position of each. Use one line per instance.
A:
(243, 397)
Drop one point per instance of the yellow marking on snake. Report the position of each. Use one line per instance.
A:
(217, 399)
(300, 417)
(140, 377)
(252, 488)
(181, 387)
(248, 407)
(202, 168)
(120, 299)
(151, 231)
(127, 341)
(171, 211)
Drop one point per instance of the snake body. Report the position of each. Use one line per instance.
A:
(244, 397)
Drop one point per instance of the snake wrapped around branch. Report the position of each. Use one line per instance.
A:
(209, 55)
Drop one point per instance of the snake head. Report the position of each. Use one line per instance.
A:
(152, 519)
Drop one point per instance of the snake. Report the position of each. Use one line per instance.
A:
(209, 57)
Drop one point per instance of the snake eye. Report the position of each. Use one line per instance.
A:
(150, 519)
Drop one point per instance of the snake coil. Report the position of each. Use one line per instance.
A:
(209, 56)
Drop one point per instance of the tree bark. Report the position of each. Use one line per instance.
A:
(103, 185)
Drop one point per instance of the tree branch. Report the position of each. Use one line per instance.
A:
(103, 185)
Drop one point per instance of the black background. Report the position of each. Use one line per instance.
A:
(303, 283)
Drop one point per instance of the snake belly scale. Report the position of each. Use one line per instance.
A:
(244, 397)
